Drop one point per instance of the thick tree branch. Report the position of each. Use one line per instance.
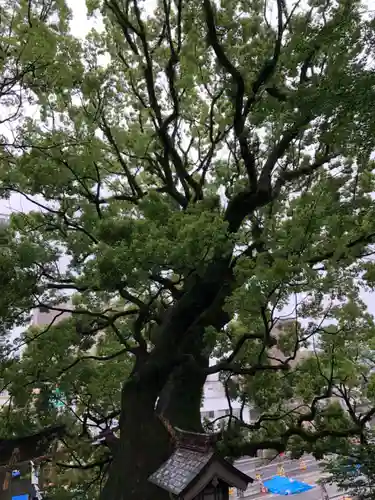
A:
(281, 444)
(89, 466)
(365, 239)
(279, 150)
(123, 20)
(291, 175)
(161, 124)
(136, 189)
(226, 364)
(169, 285)
(249, 371)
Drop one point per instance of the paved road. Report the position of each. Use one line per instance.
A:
(292, 469)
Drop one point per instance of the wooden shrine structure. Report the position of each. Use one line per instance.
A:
(195, 471)
(20, 459)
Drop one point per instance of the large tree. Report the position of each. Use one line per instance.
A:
(194, 170)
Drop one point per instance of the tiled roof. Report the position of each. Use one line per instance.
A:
(180, 469)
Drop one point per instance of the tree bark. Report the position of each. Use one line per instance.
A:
(181, 399)
(145, 442)
(143, 446)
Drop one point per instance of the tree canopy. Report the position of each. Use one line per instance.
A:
(354, 471)
(196, 172)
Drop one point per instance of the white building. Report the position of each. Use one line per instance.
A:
(4, 398)
(215, 403)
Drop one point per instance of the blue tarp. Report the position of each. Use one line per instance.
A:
(285, 486)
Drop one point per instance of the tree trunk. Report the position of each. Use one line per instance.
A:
(181, 399)
(143, 446)
(144, 442)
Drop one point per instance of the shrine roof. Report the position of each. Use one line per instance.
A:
(194, 464)
(180, 469)
(28, 447)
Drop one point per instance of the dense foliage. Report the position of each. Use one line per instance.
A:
(186, 177)
(354, 472)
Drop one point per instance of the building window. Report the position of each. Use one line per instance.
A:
(208, 414)
(223, 413)
(44, 309)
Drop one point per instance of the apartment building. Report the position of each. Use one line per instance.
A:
(215, 403)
